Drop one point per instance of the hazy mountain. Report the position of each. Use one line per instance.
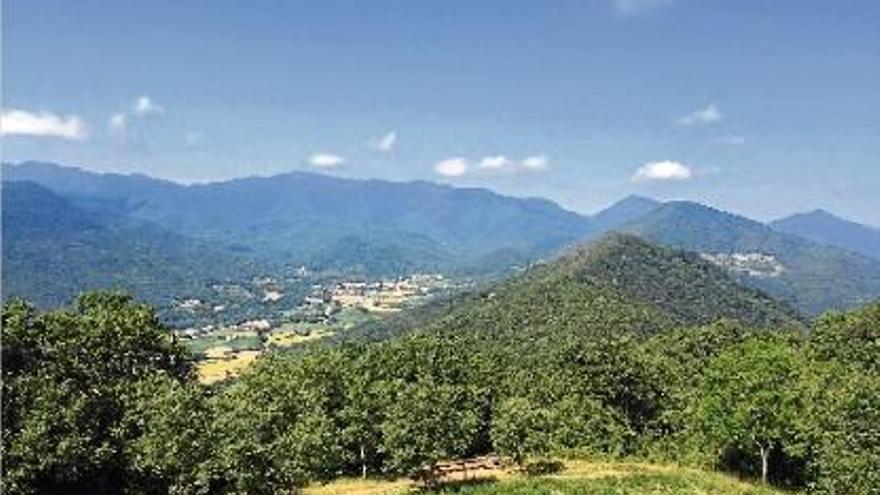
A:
(296, 216)
(52, 250)
(379, 227)
(826, 228)
(810, 275)
(622, 212)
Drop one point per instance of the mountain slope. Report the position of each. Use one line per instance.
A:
(53, 250)
(825, 228)
(622, 212)
(811, 276)
(296, 216)
(619, 284)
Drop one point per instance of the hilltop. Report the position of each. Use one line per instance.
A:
(827, 228)
(624, 211)
(619, 284)
(811, 276)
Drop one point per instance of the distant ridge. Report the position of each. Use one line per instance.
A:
(382, 228)
(624, 211)
(52, 250)
(815, 277)
(827, 228)
(296, 215)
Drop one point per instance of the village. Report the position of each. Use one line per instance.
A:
(328, 308)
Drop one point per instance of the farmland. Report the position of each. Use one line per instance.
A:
(328, 308)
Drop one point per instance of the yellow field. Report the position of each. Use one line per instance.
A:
(288, 337)
(215, 370)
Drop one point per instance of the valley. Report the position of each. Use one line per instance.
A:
(169, 246)
(607, 247)
(596, 345)
(328, 308)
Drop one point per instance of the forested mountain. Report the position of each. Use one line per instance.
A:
(825, 228)
(380, 228)
(52, 250)
(811, 276)
(297, 215)
(617, 285)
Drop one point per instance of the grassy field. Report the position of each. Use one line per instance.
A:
(236, 340)
(291, 334)
(579, 478)
(215, 370)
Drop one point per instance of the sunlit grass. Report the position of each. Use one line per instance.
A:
(214, 370)
(579, 478)
(287, 338)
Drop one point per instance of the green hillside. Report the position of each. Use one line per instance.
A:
(814, 277)
(619, 284)
(52, 250)
(112, 407)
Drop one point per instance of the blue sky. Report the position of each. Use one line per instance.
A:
(763, 108)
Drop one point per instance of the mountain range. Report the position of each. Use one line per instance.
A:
(53, 250)
(186, 235)
(826, 228)
(811, 276)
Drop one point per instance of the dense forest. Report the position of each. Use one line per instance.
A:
(99, 397)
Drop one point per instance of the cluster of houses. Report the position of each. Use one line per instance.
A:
(751, 264)
(323, 301)
(381, 296)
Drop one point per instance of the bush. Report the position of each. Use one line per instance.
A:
(541, 467)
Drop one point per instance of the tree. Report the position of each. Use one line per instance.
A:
(852, 338)
(65, 388)
(750, 398)
(846, 435)
(428, 422)
(585, 425)
(363, 412)
(168, 427)
(842, 423)
(276, 426)
(521, 429)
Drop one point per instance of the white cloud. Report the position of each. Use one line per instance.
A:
(452, 167)
(537, 162)
(385, 143)
(632, 7)
(662, 170)
(493, 162)
(14, 122)
(144, 106)
(706, 115)
(326, 160)
(126, 126)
